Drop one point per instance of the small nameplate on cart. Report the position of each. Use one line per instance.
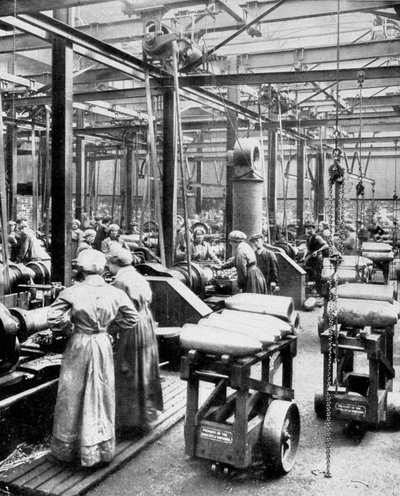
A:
(218, 435)
(351, 408)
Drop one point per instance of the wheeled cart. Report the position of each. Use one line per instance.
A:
(358, 361)
(243, 413)
(359, 396)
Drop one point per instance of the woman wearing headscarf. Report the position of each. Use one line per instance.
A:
(250, 277)
(84, 419)
(137, 379)
(87, 241)
(113, 239)
(200, 249)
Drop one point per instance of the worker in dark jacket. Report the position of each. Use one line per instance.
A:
(250, 277)
(266, 261)
(317, 250)
(101, 228)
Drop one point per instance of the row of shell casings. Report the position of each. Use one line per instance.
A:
(250, 323)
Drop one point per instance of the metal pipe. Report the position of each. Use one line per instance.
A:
(7, 402)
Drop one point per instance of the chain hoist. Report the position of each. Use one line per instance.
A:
(360, 188)
(336, 184)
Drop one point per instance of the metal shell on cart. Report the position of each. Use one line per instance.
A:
(265, 336)
(218, 341)
(359, 313)
(278, 306)
(267, 320)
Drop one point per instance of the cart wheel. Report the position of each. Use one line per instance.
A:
(280, 436)
(355, 429)
(320, 404)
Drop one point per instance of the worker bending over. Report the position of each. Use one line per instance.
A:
(250, 277)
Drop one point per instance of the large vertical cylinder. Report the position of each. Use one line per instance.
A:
(247, 205)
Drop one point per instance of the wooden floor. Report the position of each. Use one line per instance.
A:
(41, 477)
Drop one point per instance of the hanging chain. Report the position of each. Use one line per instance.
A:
(336, 180)
(360, 188)
(395, 200)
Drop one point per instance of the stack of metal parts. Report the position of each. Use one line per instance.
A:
(352, 268)
(381, 255)
(249, 324)
(246, 352)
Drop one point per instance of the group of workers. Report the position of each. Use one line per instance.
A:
(317, 244)
(109, 380)
(102, 236)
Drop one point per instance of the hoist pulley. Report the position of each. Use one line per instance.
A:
(360, 77)
(158, 39)
(336, 172)
(360, 189)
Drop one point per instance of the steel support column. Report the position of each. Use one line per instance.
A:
(61, 187)
(129, 171)
(79, 166)
(300, 186)
(35, 181)
(231, 137)
(319, 204)
(169, 204)
(199, 179)
(272, 142)
(11, 168)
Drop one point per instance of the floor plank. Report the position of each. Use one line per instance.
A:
(41, 477)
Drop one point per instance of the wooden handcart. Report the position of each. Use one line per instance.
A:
(243, 413)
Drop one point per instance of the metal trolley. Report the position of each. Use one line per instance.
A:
(228, 428)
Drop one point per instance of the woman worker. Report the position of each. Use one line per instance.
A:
(137, 379)
(84, 427)
(200, 249)
(250, 277)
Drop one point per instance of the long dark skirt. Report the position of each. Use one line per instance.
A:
(137, 380)
(255, 281)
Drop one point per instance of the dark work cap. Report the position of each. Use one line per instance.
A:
(256, 236)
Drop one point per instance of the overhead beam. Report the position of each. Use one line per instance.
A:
(8, 7)
(293, 9)
(259, 58)
(19, 81)
(47, 28)
(344, 121)
(376, 101)
(286, 77)
(87, 96)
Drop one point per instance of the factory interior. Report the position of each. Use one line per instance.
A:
(245, 155)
